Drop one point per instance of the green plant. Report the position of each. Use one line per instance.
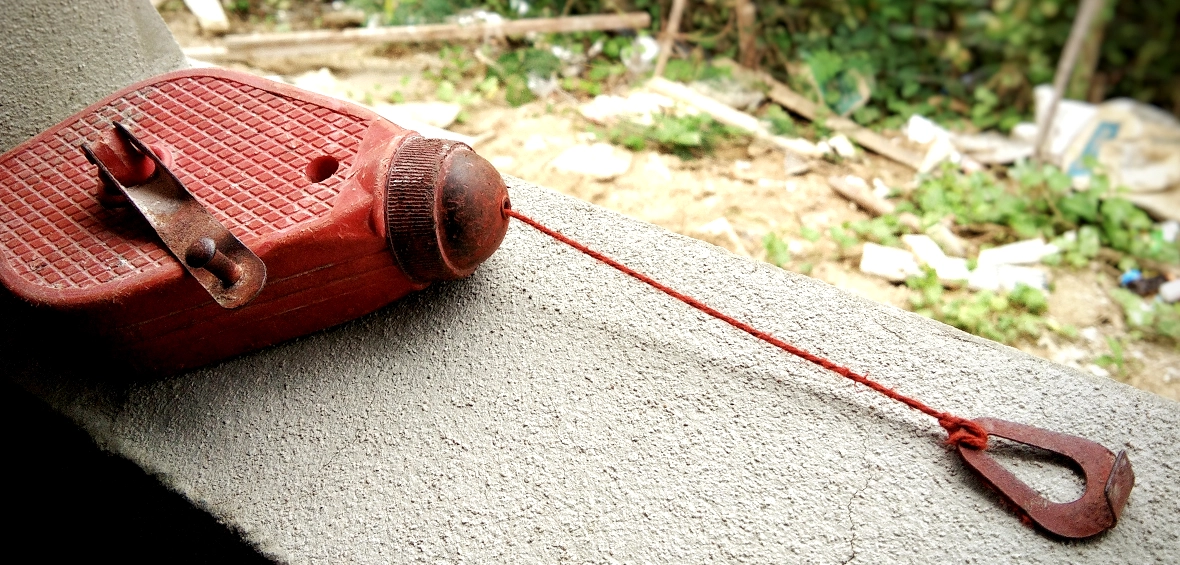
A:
(1006, 318)
(780, 122)
(1116, 358)
(514, 67)
(810, 234)
(1154, 319)
(1038, 201)
(687, 136)
(842, 237)
(776, 250)
(883, 229)
(956, 60)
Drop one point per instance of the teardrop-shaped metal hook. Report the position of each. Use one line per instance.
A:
(1109, 479)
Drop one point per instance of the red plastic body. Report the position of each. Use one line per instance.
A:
(251, 151)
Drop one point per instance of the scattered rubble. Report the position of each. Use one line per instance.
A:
(888, 263)
(842, 146)
(644, 51)
(794, 165)
(730, 92)
(731, 117)
(601, 161)
(992, 148)
(803, 148)
(1004, 267)
(1007, 277)
(637, 107)
(1170, 291)
(950, 270)
(1027, 252)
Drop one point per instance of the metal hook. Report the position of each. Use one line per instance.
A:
(1109, 480)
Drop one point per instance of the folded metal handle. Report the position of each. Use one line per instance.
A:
(1109, 479)
(228, 270)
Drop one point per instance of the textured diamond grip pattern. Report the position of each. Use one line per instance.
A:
(241, 150)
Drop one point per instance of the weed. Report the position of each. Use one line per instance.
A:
(842, 237)
(776, 250)
(1116, 358)
(780, 122)
(1042, 204)
(686, 136)
(1006, 318)
(1151, 318)
(810, 234)
(882, 229)
(689, 71)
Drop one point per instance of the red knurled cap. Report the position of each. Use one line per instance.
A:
(444, 209)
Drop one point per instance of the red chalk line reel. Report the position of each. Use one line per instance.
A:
(305, 212)
(205, 213)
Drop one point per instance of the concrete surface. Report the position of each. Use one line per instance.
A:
(56, 55)
(549, 408)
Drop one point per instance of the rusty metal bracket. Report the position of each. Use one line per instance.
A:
(231, 273)
(1109, 479)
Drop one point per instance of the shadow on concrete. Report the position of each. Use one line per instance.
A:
(70, 502)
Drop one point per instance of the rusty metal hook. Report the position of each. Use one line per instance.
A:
(1109, 479)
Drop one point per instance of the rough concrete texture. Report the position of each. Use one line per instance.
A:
(549, 409)
(58, 56)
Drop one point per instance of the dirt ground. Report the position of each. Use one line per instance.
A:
(747, 186)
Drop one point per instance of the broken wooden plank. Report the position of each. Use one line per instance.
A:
(799, 104)
(291, 43)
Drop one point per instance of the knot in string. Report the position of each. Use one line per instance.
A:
(963, 432)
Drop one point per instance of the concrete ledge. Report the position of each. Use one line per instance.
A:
(58, 56)
(549, 408)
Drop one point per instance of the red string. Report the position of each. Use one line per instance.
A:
(961, 431)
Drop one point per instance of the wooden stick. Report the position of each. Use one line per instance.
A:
(864, 197)
(1081, 27)
(747, 40)
(798, 104)
(1081, 81)
(315, 41)
(670, 31)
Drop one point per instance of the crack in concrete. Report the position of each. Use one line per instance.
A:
(891, 330)
(851, 499)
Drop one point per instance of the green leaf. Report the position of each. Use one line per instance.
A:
(776, 250)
